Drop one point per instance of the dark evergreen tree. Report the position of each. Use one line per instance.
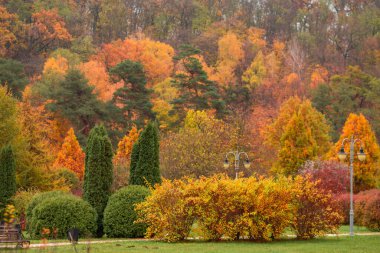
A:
(196, 90)
(98, 172)
(13, 75)
(74, 99)
(146, 169)
(134, 96)
(134, 159)
(7, 175)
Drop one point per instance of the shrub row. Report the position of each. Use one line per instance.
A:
(244, 208)
(57, 212)
(366, 208)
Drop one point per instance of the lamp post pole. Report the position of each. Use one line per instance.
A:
(342, 156)
(237, 155)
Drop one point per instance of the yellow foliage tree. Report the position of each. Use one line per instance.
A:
(365, 173)
(256, 72)
(57, 65)
(298, 123)
(71, 155)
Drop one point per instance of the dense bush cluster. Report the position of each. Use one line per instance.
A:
(119, 215)
(243, 208)
(38, 199)
(367, 209)
(61, 213)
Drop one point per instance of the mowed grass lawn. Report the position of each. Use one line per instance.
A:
(345, 244)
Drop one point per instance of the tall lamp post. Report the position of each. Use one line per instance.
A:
(237, 155)
(342, 156)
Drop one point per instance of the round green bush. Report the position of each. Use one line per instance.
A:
(37, 199)
(119, 215)
(61, 214)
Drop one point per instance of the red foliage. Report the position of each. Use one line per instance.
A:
(333, 176)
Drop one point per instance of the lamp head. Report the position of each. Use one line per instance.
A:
(361, 154)
(342, 155)
(226, 163)
(247, 164)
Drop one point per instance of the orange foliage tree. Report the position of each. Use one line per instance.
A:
(156, 57)
(71, 155)
(9, 27)
(365, 173)
(124, 148)
(97, 76)
(47, 30)
(230, 55)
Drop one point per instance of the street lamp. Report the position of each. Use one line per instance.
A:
(237, 156)
(342, 156)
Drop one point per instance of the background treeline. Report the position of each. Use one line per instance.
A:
(277, 78)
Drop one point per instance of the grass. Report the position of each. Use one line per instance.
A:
(357, 244)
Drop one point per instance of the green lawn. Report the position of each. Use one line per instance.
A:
(356, 244)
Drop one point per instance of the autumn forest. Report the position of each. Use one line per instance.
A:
(283, 80)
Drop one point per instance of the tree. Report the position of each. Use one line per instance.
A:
(351, 92)
(255, 73)
(97, 76)
(133, 97)
(299, 133)
(365, 173)
(13, 75)
(196, 91)
(10, 27)
(47, 31)
(124, 148)
(73, 99)
(9, 126)
(71, 155)
(8, 175)
(230, 55)
(197, 148)
(297, 146)
(156, 57)
(146, 170)
(98, 172)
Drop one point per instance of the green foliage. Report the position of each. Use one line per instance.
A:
(134, 96)
(61, 214)
(351, 92)
(8, 175)
(196, 91)
(98, 172)
(73, 98)
(39, 198)
(9, 127)
(12, 74)
(147, 168)
(119, 215)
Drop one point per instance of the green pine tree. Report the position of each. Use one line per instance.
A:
(98, 172)
(134, 96)
(196, 90)
(74, 99)
(146, 169)
(7, 175)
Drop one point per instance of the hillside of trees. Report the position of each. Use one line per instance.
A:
(283, 80)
